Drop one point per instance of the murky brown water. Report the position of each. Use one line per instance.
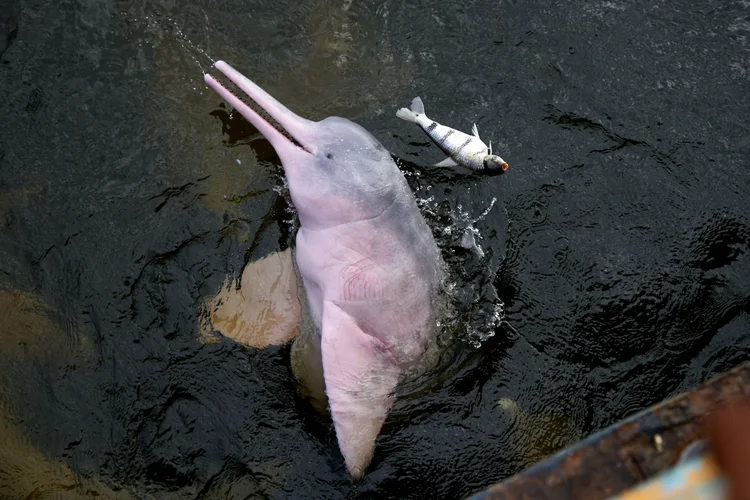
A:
(616, 245)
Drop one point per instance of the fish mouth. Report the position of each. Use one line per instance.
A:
(287, 132)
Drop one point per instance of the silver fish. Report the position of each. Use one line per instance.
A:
(468, 151)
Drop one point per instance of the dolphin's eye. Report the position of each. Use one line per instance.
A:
(329, 156)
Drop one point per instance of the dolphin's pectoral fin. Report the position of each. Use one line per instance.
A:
(360, 377)
(448, 162)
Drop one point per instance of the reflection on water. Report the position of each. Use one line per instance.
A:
(262, 309)
(25, 472)
(351, 68)
(537, 435)
(14, 200)
(28, 331)
(30, 337)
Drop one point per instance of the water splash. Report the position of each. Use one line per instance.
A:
(290, 218)
(478, 311)
(471, 233)
(154, 29)
(189, 47)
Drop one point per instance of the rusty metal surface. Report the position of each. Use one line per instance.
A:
(627, 453)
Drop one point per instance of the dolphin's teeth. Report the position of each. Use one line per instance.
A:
(232, 89)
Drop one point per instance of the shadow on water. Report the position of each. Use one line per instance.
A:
(617, 243)
(31, 340)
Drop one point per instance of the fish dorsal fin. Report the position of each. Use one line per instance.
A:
(448, 162)
(489, 148)
(475, 131)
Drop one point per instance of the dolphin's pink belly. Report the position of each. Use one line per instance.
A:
(371, 277)
(372, 307)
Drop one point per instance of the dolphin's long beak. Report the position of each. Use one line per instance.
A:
(296, 126)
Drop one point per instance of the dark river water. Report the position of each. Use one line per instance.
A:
(616, 246)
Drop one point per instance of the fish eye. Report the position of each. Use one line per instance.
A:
(329, 156)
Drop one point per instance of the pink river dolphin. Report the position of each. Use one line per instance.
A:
(370, 267)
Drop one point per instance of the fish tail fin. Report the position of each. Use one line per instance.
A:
(417, 105)
(407, 114)
(411, 115)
